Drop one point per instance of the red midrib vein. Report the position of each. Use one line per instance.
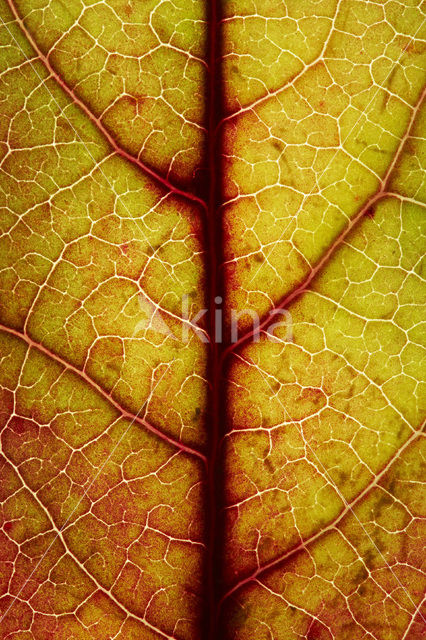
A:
(214, 258)
(96, 121)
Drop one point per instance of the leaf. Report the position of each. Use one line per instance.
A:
(158, 481)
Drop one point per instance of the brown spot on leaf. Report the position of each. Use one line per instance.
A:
(317, 631)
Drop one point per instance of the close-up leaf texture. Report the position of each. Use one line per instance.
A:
(212, 343)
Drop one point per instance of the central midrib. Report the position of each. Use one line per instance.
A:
(215, 408)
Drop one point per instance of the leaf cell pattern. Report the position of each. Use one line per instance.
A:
(156, 483)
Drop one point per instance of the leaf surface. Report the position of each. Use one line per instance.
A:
(158, 482)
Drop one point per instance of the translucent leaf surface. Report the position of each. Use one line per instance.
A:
(166, 165)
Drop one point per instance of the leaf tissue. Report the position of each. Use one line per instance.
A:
(212, 344)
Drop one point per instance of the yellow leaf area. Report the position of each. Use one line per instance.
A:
(102, 399)
(138, 66)
(107, 388)
(324, 218)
